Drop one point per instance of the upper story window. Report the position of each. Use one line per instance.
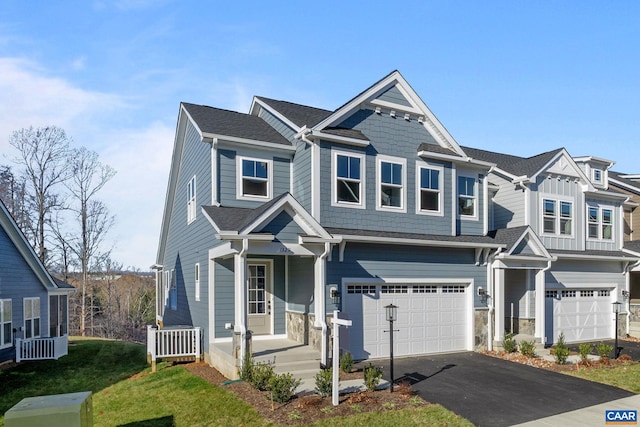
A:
(600, 223)
(31, 317)
(467, 196)
(429, 188)
(254, 178)
(348, 179)
(6, 329)
(557, 217)
(391, 183)
(191, 197)
(173, 292)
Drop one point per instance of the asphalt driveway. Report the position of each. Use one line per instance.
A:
(493, 392)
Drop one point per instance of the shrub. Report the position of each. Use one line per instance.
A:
(604, 350)
(324, 382)
(372, 376)
(283, 387)
(584, 350)
(246, 371)
(561, 352)
(262, 375)
(346, 362)
(509, 343)
(528, 348)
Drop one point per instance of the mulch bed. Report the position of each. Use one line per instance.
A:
(311, 408)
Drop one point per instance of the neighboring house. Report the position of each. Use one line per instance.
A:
(275, 218)
(630, 186)
(33, 305)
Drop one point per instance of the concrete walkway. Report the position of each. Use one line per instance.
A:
(590, 416)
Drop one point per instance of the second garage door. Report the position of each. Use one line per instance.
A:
(432, 318)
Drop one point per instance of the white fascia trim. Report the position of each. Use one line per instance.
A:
(233, 140)
(237, 236)
(536, 258)
(461, 160)
(266, 106)
(393, 106)
(316, 135)
(595, 159)
(313, 239)
(607, 195)
(594, 257)
(222, 251)
(416, 242)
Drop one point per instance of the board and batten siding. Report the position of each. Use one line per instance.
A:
(559, 189)
(228, 176)
(410, 263)
(603, 244)
(189, 243)
(394, 137)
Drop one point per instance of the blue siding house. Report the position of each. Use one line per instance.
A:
(276, 218)
(33, 305)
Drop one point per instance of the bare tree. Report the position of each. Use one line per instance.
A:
(88, 177)
(13, 195)
(43, 153)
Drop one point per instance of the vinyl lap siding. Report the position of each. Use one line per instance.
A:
(300, 288)
(224, 296)
(277, 124)
(284, 228)
(507, 205)
(394, 95)
(301, 181)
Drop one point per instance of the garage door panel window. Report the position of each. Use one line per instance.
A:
(394, 289)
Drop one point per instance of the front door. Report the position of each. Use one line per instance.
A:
(259, 294)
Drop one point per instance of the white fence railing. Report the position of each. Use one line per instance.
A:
(173, 342)
(41, 348)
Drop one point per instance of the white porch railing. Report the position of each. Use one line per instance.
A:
(41, 348)
(173, 343)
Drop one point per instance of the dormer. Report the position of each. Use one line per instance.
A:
(596, 169)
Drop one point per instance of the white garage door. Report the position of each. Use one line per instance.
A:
(432, 318)
(581, 314)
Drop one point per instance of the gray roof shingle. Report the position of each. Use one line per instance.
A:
(619, 177)
(231, 123)
(235, 219)
(434, 148)
(300, 115)
(514, 165)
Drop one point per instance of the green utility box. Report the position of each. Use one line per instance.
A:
(58, 410)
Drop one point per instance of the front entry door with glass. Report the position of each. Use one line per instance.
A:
(259, 294)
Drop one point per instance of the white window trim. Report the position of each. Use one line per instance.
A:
(10, 322)
(593, 176)
(334, 180)
(398, 161)
(600, 208)
(196, 275)
(476, 197)
(557, 201)
(191, 202)
(173, 303)
(422, 165)
(239, 194)
(31, 300)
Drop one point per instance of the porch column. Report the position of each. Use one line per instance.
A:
(499, 304)
(319, 305)
(540, 306)
(240, 309)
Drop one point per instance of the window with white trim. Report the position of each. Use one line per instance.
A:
(348, 179)
(191, 197)
(430, 189)
(600, 223)
(173, 292)
(6, 326)
(391, 183)
(254, 178)
(466, 196)
(196, 274)
(597, 176)
(557, 217)
(31, 317)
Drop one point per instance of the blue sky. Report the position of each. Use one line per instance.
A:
(515, 77)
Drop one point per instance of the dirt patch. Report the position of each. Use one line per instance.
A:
(311, 407)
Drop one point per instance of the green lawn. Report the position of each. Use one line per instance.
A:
(126, 393)
(626, 376)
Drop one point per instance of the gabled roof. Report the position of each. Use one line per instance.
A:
(24, 248)
(620, 180)
(242, 221)
(219, 122)
(517, 237)
(300, 115)
(514, 165)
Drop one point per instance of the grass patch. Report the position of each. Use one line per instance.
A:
(432, 415)
(625, 376)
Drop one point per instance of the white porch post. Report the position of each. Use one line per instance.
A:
(540, 306)
(499, 304)
(240, 276)
(319, 305)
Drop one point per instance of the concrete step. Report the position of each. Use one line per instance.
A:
(302, 365)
